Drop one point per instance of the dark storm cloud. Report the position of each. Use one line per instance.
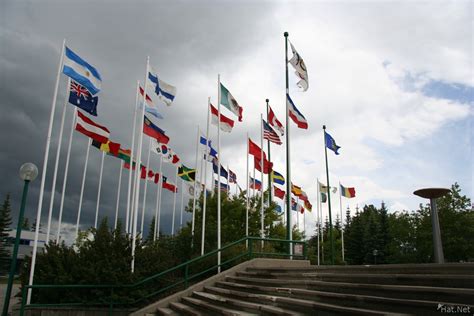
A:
(181, 38)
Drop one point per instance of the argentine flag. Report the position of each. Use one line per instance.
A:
(163, 90)
(81, 71)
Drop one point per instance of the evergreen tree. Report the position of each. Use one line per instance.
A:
(33, 227)
(26, 224)
(5, 223)
(151, 231)
(384, 235)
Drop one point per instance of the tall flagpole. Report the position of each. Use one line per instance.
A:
(203, 229)
(297, 213)
(56, 163)
(132, 150)
(288, 164)
(182, 205)
(66, 168)
(218, 174)
(342, 226)
(174, 200)
(145, 189)
(329, 197)
(118, 195)
(43, 173)
(158, 202)
(269, 159)
(318, 218)
(98, 190)
(321, 224)
(194, 186)
(262, 234)
(89, 143)
(137, 173)
(254, 184)
(228, 183)
(247, 173)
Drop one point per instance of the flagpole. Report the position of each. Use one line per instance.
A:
(228, 183)
(174, 200)
(329, 198)
(137, 174)
(297, 213)
(118, 195)
(342, 226)
(98, 190)
(318, 208)
(218, 174)
(304, 224)
(145, 188)
(194, 187)
(158, 204)
(43, 173)
(89, 143)
(269, 159)
(288, 164)
(130, 201)
(66, 168)
(253, 191)
(203, 229)
(56, 163)
(321, 226)
(247, 193)
(262, 234)
(182, 205)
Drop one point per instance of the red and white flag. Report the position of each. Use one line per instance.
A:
(273, 121)
(226, 123)
(91, 129)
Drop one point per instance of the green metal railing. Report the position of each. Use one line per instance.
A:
(184, 268)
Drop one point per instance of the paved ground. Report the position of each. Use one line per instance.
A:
(13, 300)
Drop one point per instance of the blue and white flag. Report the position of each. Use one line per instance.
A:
(81, 71)
(82, 98)
(212, 153)
(163, 90)
(152, 110)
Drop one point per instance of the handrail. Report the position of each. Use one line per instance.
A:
(250, 253)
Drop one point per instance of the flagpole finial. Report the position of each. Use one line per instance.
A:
(324, 126)
(267, 100)
(285, 34)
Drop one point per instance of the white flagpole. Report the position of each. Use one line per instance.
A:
(318, 197)
(132, 150)
(253, 191)
(219, 174)
(203, 229)
(247, 173)
(118, 195)
(89, 142)
(304, 224)
(342, 226)
(158, 198)
(297, 213)
(174, 200)
(145, 189)
(194, 185)
(182, 205)
(262, 234)
(137, 177)
(321, 223)
(56, 163)
(98, 190)
(43, 173)
(61, 206)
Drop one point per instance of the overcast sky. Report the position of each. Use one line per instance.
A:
(392, 81)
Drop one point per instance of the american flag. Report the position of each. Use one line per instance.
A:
(269, 133)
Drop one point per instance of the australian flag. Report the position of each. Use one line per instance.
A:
(82, 98)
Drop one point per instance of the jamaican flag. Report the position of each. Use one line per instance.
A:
(186, 173)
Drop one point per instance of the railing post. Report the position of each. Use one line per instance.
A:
(186, 271)
(111, 304)
(23, 300)
(251, 248)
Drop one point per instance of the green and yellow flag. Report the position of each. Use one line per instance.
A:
(187, 174)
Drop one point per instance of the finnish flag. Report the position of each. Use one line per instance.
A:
(163, 90)
(81, 71)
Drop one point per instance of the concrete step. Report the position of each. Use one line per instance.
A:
(437, 280)
(428, 268)
(455, 295)
(211, 309)
(409, 306)
(305, 307)
(183, 309)
(164, 311)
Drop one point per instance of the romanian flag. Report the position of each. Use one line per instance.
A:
(347, 192)
(277, 178)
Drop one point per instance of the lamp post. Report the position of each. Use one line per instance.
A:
(433, 194)
(28, 172)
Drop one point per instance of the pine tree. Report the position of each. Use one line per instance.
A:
(26, 224)
(5, 223)
(151, 231)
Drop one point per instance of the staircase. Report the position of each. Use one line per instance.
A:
(292, 287)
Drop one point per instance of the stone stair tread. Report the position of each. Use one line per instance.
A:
(301, 303)
(185, 309)
(213, 308)
(360, 275)
(258, 308)
(165, 311)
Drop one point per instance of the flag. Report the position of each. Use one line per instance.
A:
(324, 197)
(108, 147)
(267, 165)
(187, 174)
(224, 187)
(81, 71)
(93, 130)
(324, 188)
(308, 205)
(269, 133)
(255, 150)
(296, 115)
(277, 178)
(154, 131)
(82, 98)
(156, 179)
(255, 184)
(143, 172)
(168, 186)
(232, 177)
(303, 196)
(278, 193)
(124, 154)
(331, 143)
(273, 121)
(211, 151)
(149, 105)
(163, 90)
(229, 102)
(347, 192)
(296, 190)
(223, 173)
(127, 165)
(300, 69)
(293, 204)
(165, 151)
(226, 123)
(149, 101)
